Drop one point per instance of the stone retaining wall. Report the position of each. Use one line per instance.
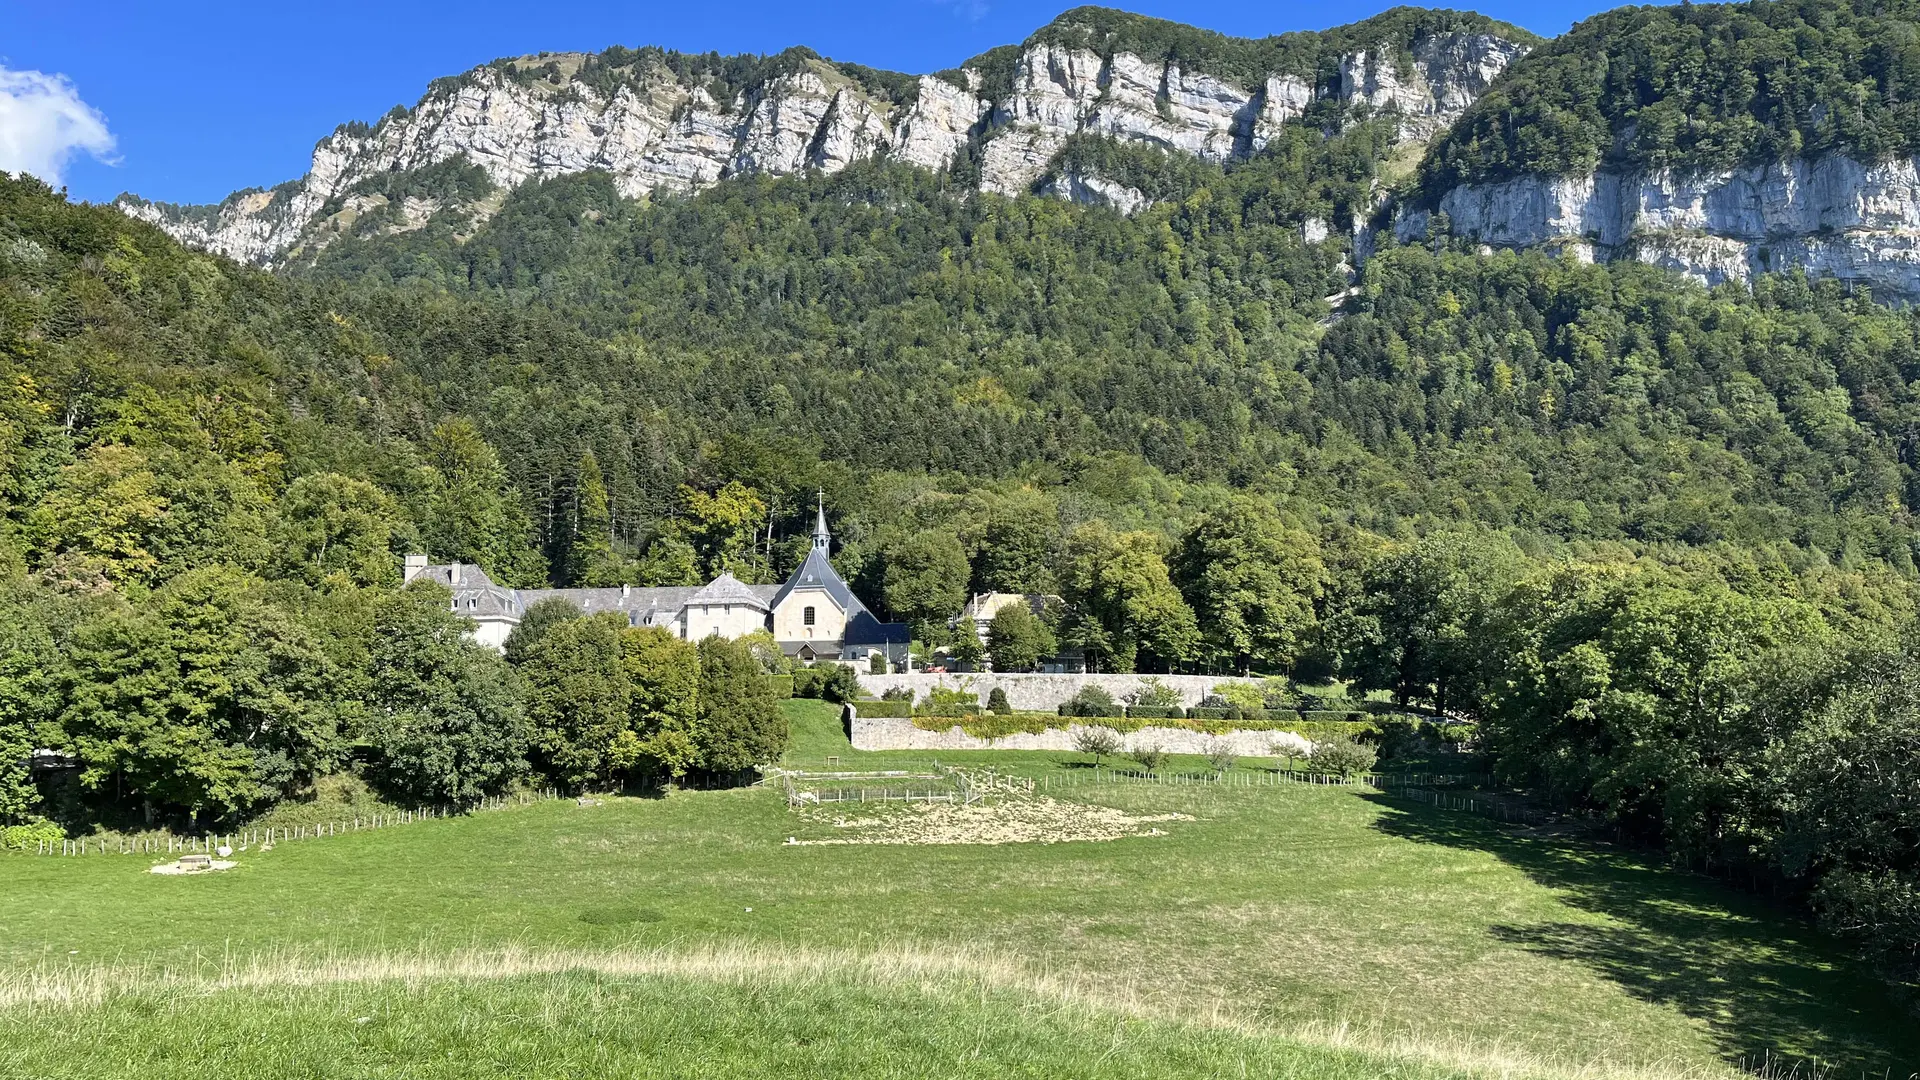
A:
(1036, 692)
(893, 733)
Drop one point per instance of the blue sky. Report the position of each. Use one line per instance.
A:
(198, 99)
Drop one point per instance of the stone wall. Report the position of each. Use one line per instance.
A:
(891, 733)
(1036, 692)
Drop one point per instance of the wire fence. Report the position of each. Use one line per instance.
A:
(1432, 789)
(950, 785)
(265, 836)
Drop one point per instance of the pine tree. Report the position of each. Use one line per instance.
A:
(590, 560)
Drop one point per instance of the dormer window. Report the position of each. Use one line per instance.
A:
(806, 615)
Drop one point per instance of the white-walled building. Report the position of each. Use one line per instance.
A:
(814, 615)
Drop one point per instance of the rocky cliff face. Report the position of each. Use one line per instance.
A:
(1831, 216)
(658, 131)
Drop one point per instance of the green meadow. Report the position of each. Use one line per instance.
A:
(1283, 931)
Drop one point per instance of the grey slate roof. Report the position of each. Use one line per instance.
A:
(727, 589)
(817, 573)
(476, 596)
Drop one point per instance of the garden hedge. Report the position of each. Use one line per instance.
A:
(898, 710)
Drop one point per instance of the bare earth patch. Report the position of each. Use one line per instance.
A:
(1036, 820)
(209, 867)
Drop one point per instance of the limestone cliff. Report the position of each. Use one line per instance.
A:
(659, 122)
(1832, 216)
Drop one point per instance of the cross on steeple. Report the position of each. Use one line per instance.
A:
(821, 538)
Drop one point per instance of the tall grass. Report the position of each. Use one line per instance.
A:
(893, 1009)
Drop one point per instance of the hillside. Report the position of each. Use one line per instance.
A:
(1718, 140)
(659, 121)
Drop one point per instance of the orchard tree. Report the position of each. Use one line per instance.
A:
(445, 718)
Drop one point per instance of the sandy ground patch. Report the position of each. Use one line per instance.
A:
(1037, 820)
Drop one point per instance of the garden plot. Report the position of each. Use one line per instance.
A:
(1034, 819)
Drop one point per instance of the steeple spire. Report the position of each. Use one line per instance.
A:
(821, 537)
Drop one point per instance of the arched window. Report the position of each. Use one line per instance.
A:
(806, 615)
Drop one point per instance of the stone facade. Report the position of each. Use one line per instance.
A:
(892, 733)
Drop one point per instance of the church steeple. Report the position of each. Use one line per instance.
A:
(821, 538)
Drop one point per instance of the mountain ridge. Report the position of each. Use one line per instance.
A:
(671, 122)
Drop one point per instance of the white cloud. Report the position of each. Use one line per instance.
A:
(43, 123)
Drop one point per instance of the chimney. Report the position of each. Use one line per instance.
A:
(415, 565)
(453, 575)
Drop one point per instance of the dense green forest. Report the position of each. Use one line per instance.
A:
(1697, 87)
(1657, 541)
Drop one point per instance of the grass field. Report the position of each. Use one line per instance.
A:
(1283, 931)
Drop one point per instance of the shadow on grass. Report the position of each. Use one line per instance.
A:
(1768, 987)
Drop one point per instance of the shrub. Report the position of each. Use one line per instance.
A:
(1220, 756)
(877, 663)
(1289, 751)
(898, 693)
(782, 686)
(1092, 700)
(1155, 712)
(1322, 716)
(1153, 694)
(1216, 703)
(1208, 712)
(941, 695)
(991, 725)
(946, 710)
(806, 682)
(997, 702)
(20, 837)
(1098, 740)
(1245, 695)
(1341, 757)
(884, 709)
(839, 684)
(1150, 757)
